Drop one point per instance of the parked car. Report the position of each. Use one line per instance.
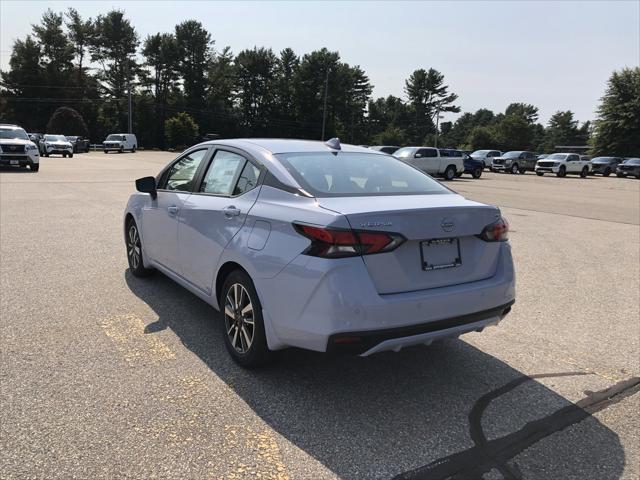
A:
(80, 144)
(57, 145)
(38, 139)
(562, 164)
(433, 161)
(630, 166)
(516, 161)
(605, 165)
(486, 156)
(472, 166)
(120, 142)
(16, 149)
(390, 149)
(412, 260)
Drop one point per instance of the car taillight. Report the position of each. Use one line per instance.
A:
(339, 243)
(496, 231)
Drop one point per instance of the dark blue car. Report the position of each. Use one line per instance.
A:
(473, 167)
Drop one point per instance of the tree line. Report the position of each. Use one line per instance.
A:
(184, 87)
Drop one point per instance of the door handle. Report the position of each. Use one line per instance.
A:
(231, 211)
(172, 209)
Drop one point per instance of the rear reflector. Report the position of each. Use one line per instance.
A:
(339, 243)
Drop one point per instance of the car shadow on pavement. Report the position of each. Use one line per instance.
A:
(448, 411)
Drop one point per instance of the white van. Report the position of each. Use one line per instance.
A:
(120, 142)
(434, 161)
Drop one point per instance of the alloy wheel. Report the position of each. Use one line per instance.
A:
(134, 249)
(238, 318)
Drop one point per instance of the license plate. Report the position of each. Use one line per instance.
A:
(440, 253)
(14, 162)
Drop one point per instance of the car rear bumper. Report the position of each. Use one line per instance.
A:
(312, 302)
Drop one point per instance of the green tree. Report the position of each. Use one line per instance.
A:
(428, 95)
(194, 52)
(562, 129)
(113, 47)
(481, 138)
(161, 57)
(67, 121)
(391, 136)
(525, 111)
(513, 132)
(181, 130)
(617, 128)
(256, 87)
(287, 65)
(81, 34)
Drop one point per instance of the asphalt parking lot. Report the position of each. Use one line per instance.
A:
(104, 375)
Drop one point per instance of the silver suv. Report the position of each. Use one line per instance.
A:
(16, 150)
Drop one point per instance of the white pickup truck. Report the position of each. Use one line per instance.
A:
(563, 164)
(433, 161)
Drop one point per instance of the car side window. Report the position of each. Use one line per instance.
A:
(444, 153)
(248, 179)
(427, 152)
(182, 173)
(223, 171)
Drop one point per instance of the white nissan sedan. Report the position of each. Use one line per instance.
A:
(321, 246)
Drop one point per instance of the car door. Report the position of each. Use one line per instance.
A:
(160, 216)
(573, 163)
(213, 215)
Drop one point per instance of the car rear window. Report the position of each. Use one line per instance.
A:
(345, 174)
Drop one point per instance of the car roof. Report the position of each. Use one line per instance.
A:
(9, 125)
(284, 145)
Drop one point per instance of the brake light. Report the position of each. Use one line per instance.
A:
(496, 231)
(339, 243)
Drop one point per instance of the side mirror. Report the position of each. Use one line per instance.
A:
(147, 185)
(417, 155)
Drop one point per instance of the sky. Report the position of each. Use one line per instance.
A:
(556, 55)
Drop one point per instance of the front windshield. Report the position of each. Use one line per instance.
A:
(347, 174)
(557, 156)
(405, 152)
(119, 138)
(632, 161)
(511, 155)
(72, 139)
(13, 134)
(480, 153)
(55, 138)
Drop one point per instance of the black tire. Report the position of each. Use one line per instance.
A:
(46, 154)
(449, 172)
(584, 172)
(71, 155)
(562, 172)
(34, 167)
(106, 151)
(620, 175)
(477, 172)
(121, 150)
(540, 174)
(133, 150)
(638, 176)
(246, 344)
(607, 172)
(514, 168)
(64, 154)
(522, 171)
(134, 251)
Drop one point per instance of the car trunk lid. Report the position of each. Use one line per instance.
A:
(442, 246)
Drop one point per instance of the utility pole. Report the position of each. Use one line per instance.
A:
(324, 108)
(129, 93)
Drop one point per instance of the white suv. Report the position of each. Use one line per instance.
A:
(120, 142)
(433, 161)
(16, 149)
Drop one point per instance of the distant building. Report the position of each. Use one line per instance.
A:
(572, 148)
